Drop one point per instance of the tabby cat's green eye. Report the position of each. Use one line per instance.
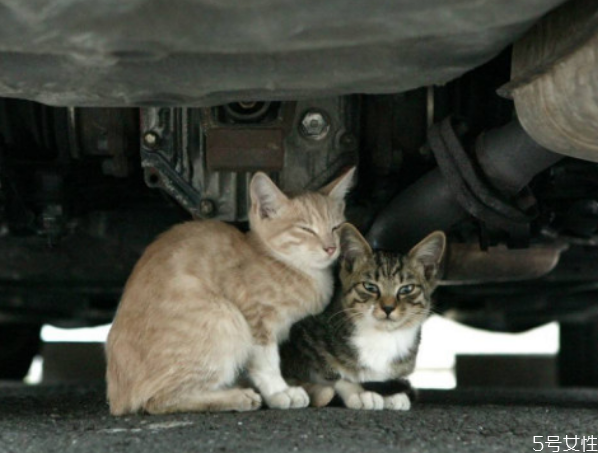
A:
(406, 289)
(370, 287)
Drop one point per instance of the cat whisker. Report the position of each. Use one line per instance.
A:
(339, 322)
(353, 315)
(338, 313)
(350, 315)
(432, 311)
(421, 312)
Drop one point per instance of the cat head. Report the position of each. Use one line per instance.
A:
(388, 290)
(301, 230)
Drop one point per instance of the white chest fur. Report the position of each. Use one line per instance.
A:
(377, 349)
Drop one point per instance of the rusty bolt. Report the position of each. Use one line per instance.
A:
(207, 208)
(151, 139)
(314, 125)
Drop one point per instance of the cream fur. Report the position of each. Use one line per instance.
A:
(206, 301)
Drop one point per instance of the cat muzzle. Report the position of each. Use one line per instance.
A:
(330, 250)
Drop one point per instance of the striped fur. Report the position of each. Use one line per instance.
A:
(371, 330)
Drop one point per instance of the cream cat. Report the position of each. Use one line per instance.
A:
(206, 302)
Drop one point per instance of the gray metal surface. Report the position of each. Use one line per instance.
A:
(178, 158)
(75, 419)
(207, 52)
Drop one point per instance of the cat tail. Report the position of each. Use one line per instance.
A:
(119, 390)
(127, 397)
(116, 399)
(123, 392)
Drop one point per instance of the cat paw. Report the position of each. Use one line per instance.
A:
(320, 395)
(249, 400)
(290, 398)
(397, 402)
(365, 401)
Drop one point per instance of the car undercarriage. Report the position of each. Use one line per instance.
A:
(476, 118)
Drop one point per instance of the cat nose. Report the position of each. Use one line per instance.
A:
(388, 309)
(330, 250)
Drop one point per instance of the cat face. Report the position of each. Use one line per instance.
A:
(301, 230)
(385, 289)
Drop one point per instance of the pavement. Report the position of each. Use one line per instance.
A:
(75, 418)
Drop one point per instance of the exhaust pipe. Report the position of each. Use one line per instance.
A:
(554, 85)
(508, 159)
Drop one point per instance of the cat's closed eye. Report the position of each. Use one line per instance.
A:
(308, 229)
(406, 289)
(371, 287)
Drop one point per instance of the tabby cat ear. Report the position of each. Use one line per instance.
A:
(353, 245)
(266, 198)
(338, 188)
(428, 253)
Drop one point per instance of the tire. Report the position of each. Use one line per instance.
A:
(19, 343)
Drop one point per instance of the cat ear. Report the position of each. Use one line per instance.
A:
(353, 245)
(428, 253)
(266, 198)
(340, 186)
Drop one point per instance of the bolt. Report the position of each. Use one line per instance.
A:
(153, 179)
(207, 208)
(314, 125)
(151, 139)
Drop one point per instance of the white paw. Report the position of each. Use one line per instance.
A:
(250, 400)
(397, 402)
(365, 400)
(290, 398)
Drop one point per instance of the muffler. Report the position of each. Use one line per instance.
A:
(554, 80)
(506, 160)
(554, 84)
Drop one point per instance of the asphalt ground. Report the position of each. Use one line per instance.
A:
(75, 419)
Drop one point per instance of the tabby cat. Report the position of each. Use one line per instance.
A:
(206, 302)
(371, 330)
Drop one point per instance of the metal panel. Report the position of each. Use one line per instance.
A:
(203, 52)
